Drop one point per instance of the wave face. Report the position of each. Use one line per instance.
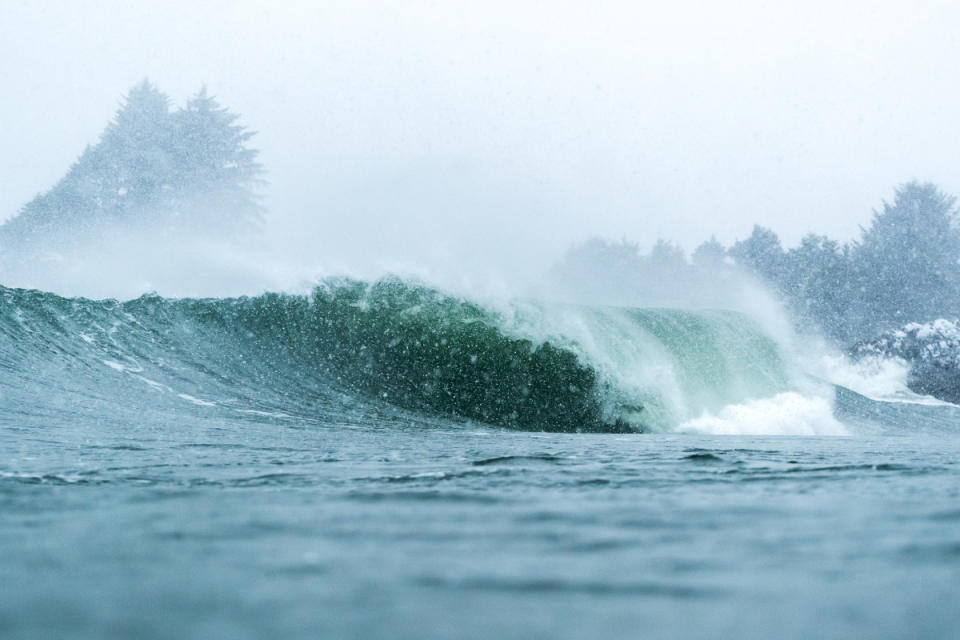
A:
(661, 367)
(354, 346)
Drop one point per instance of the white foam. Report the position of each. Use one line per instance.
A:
(788, 413)
(879, 378)
(116, 366)
(154, 384)
(196, 401)
(268, 414)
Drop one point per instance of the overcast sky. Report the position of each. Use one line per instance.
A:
(471, 129)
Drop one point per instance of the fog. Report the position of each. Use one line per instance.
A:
(481, 141)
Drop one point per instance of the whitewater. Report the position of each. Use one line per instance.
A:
(387, 459)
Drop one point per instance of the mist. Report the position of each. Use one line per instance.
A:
(479, 143)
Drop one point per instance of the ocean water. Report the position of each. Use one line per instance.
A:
(395, 463)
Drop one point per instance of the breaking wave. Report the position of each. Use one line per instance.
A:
(522, 365)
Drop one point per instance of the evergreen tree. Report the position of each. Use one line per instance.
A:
(907, 260)
(603, 256)
(761, 252)
(815, 277)
(189, 167)
(213, 160)
(667, 255)
(710, 254)
(132, 164)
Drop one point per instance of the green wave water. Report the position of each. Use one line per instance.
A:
(529, 366)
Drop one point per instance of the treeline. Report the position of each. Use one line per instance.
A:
(190, 166)
(904, 267)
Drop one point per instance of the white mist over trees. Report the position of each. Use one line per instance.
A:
(189, 168)
(163, 196)
(904, 268)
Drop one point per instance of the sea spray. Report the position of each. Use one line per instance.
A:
(659, 367)
(788, 414)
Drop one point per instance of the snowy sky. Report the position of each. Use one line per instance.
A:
(472, 130)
